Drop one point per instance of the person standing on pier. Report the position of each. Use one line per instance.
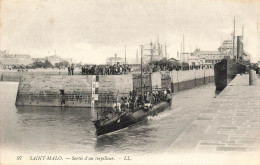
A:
(72, 69)
(69, 70)
(82, 70)
(164, 94)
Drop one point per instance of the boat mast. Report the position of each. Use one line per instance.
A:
(159, 50)
(181, 53)
(115, 58)
(151, 89)
(151, 51)
(234, 37)
(142, 47)
(125, 54)
(183, 44)
(166, 52)
(243, 31)
(258, 37)
(137, 57)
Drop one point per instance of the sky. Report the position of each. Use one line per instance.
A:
(92, 30)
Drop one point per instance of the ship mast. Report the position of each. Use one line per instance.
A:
(142, 47)
(151, 89)
(243, 31)
(137, 57)
(166, 53)
(234, 37)
(151, 51)
(258, 37)
(183, 43)
(181, 53)
(159, 51)
(125, 54)
(115, 58)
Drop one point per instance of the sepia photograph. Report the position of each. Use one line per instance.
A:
(171, 82)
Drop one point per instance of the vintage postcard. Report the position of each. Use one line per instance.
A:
(130, 82)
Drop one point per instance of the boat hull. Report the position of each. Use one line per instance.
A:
(129, 119)
(224, 72)
(220, 72)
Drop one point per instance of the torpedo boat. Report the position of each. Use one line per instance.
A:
(134, 110)
(118, 120)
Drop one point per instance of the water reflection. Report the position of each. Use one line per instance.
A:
(136, 135)
(56, 126)
(57, 115)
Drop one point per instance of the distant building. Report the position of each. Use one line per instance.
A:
(194, 61)
(115, 60)
(53, 59)
(3, 52)
(133, 61)
(209, 58)
(226, 48)
(38, 60)
(56, 59)
(205, 58)
(10, 60)
(173, 60)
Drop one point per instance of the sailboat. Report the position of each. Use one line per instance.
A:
(125, 116)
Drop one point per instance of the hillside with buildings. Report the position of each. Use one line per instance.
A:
(9, 61)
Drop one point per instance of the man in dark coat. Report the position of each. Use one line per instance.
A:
(72, 69)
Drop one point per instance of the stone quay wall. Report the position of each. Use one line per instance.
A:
(76, 91)
(182, 80)
(15, 76)
(101, 90)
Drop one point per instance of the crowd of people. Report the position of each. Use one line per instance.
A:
(137, 101)
(118, 69)
(157, 68)
(115, 69)
(70, 69)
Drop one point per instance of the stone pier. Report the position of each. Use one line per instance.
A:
(190, 79)
(101, 90)
(76, 91)
(230, 123)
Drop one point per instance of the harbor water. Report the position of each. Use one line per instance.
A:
(70, 130)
